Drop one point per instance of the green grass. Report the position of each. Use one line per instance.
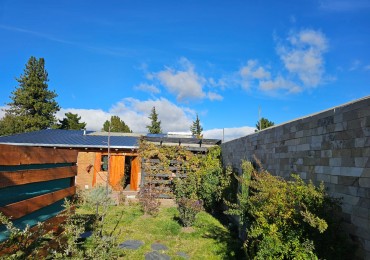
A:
(208, 239)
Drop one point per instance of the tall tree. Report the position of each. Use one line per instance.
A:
(72, 122)
(196, 129)
(263, 123)
(33, 105)
(117, 125)
(155, 126)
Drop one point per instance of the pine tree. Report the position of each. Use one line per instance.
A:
(155, 127)
(264, 123)
(72, 122)
(196, 129)
(33, 105)
(117, 125)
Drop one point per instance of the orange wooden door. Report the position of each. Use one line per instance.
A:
(117, 171)
(135, 173)
(97, 166)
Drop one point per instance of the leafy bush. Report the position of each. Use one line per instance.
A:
(148, 199)
(286, 219)
(188, 209)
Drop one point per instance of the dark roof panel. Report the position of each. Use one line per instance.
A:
(69, 138)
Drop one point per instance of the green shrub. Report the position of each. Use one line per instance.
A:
(188, 209)
(148, 199)
(286, 219)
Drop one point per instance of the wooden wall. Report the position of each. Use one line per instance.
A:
(34, 181)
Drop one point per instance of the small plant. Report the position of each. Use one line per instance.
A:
(21, 243)
(148, 199)
(188, 209)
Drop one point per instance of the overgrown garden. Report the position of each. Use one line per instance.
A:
(279, 219)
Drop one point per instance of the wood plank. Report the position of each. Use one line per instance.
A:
(16, 155)
(22, 208)
(30, 176)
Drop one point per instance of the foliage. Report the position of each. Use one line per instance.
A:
(214, 180)
(33, 105)
(148, 199)
(71, 121)
(21, 243)
(263, 123)
(101, 245)
(196, 129)
(117, 125)
(188, 209)
(155, 125)
(286, 219)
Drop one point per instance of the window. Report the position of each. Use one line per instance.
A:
(104, 163)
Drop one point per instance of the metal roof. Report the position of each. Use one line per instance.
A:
(91, 139)
(69, 138)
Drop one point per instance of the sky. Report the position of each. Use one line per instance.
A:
(227, 61)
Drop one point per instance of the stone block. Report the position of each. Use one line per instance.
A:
(361, 161)
(348, 161)
(361, 212)
(319, 169)
(334, 179)
(335, 162)
(332, 170)
(364, 182)
(364, 202)
(341, 153)
(303, 147)
(363, 192)
(351, 171)
(326, 153)
(348, 180)
(323, 177)
(360, 142)
(347, 208)
(361, 222)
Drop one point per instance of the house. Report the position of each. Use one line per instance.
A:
(93, 148)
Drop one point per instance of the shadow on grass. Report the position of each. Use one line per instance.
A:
(222, 236)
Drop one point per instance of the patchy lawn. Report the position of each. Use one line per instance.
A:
(208, 239)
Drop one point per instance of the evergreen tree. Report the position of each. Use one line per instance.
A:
(265, 123)
(72, 122)
(33, 106)
(196, 129)
(155, 127)
(117, 125)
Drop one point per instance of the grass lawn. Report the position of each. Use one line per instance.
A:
(208, 239)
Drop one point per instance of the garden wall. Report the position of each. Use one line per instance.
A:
(332, 146)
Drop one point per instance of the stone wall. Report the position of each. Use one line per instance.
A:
(332, 146)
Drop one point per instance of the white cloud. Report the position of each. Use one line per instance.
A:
(2, 111)
(303, 56)
(228, 133)
(252, 72)
(355, 65)
(185, 83)
(279, 83)
(367, 67)
(94, 118)
(135, 114)
(214, 96)
(150, 88)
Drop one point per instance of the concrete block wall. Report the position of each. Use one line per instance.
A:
(332, 146)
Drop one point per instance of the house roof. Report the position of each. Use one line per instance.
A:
(91, 139)
(69, 138)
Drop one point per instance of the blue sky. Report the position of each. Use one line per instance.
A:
(220, 59)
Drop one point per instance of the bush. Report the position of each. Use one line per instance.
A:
(188, 209)
(148, 199)
(287, 219)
